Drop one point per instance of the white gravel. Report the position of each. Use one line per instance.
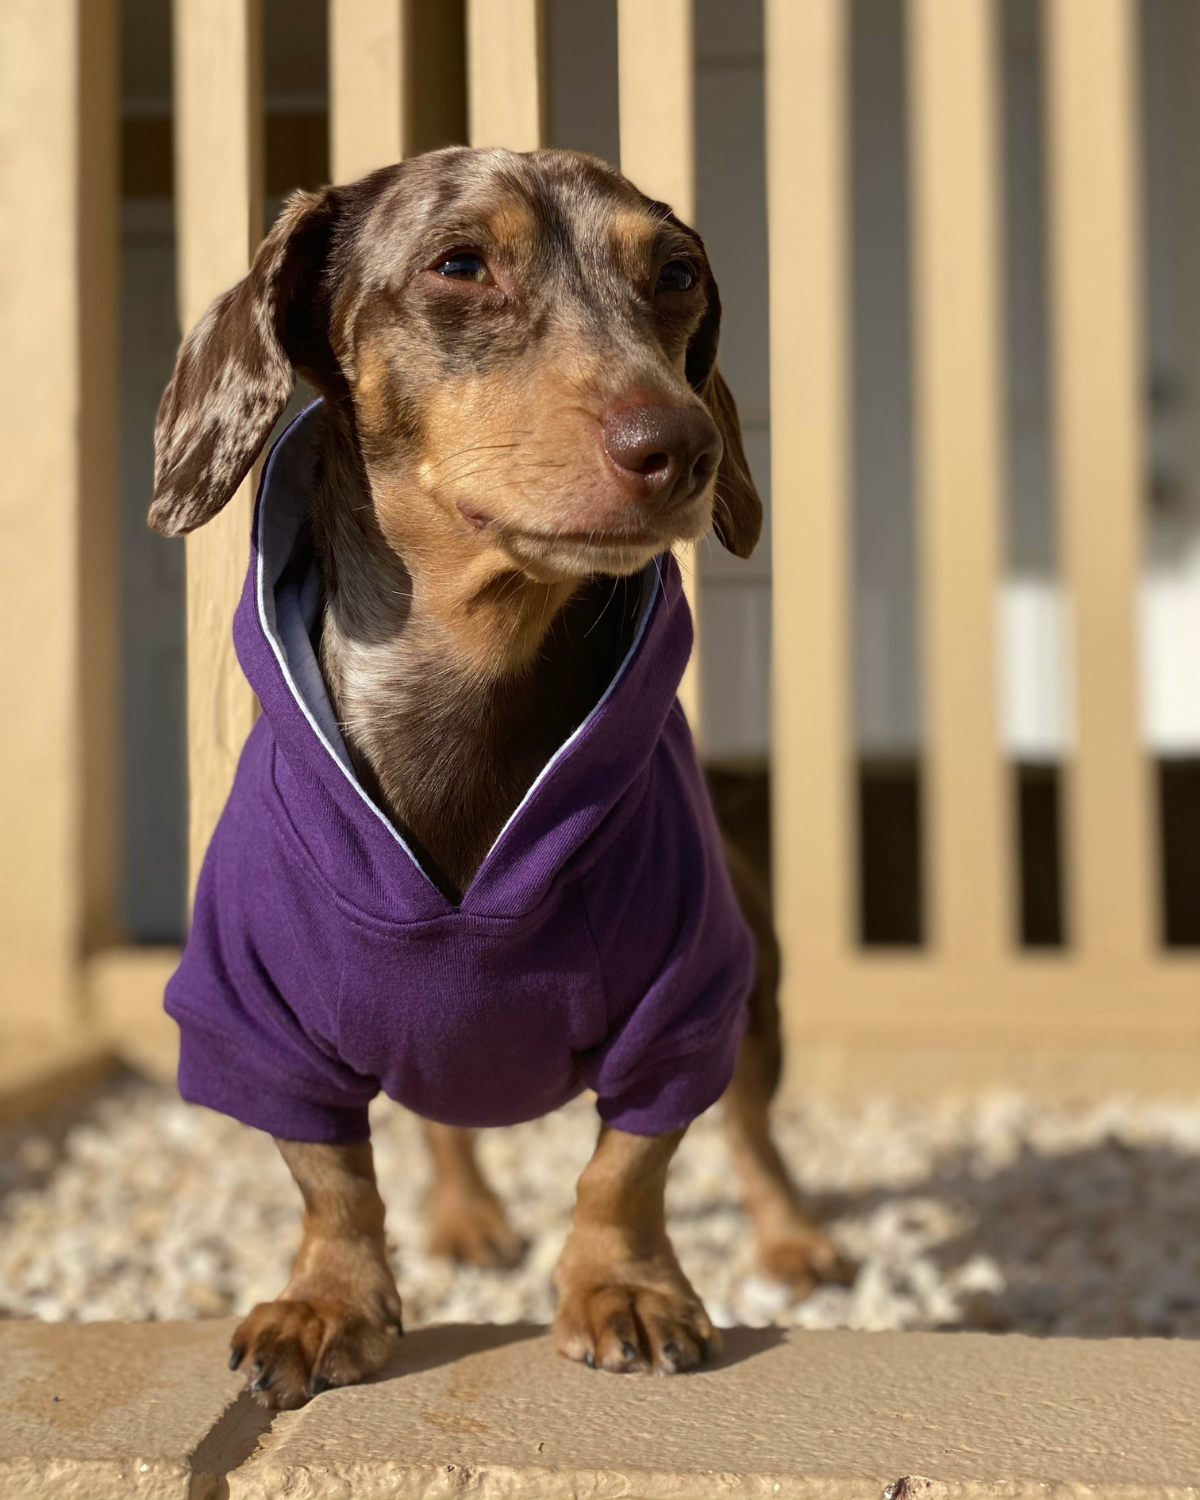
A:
(994, 1212)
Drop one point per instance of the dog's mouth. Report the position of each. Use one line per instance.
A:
(600, 549)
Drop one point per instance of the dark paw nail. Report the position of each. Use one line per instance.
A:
(671, 1351)
(589, 1359)
(235, 1357)
(704, 1349)
(628, 1351)
(317, 1384)
(261, 1382)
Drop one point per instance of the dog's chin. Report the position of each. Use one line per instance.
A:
(562, 559)
(559, 556)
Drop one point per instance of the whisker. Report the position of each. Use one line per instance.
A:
(607, 602)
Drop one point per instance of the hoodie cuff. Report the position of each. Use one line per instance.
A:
(213, 1073)
(675, 1090)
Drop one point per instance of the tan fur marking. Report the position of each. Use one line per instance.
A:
(371, 388)
(512, 224)
(631, 234)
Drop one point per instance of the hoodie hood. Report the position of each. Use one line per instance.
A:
(551, 835)
(600, 945)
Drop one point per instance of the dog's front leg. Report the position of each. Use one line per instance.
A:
(623, 1301)
(338, 1317)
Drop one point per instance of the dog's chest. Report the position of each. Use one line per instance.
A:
(474, 1022)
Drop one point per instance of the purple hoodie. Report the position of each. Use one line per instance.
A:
(599, 944)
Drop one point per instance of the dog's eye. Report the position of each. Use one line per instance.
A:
(463, 267)
(675, 276)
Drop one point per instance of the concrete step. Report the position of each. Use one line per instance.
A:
(106, 1411)
(149, 1410)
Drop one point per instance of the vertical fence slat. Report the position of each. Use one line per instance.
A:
(655, 75)
(1093, 134)
(368, 115)
(99, 506)
(955, 172)
(1185, 65)
(506, 103)
(58, 526)
(655, 66)
(807, 210)
(218, 206)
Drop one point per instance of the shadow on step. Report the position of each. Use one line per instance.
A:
(446, 1343)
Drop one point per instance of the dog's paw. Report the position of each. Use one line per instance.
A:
(802, 1256)
(295, 1348)
(634, 1323)
(474, 1231)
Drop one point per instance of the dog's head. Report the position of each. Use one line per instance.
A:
(524, 347)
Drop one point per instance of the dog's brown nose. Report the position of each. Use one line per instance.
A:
(665, 453)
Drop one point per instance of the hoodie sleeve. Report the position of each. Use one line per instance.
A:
(675, 956)
(255, 995)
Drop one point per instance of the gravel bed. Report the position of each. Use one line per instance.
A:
(993, 1212)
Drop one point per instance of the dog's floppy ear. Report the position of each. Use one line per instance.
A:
(737, 510)
(235, 370)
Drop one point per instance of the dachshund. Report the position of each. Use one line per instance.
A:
(520, 416)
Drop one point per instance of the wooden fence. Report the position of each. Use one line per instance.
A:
(1112, 992)
(971, 988)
